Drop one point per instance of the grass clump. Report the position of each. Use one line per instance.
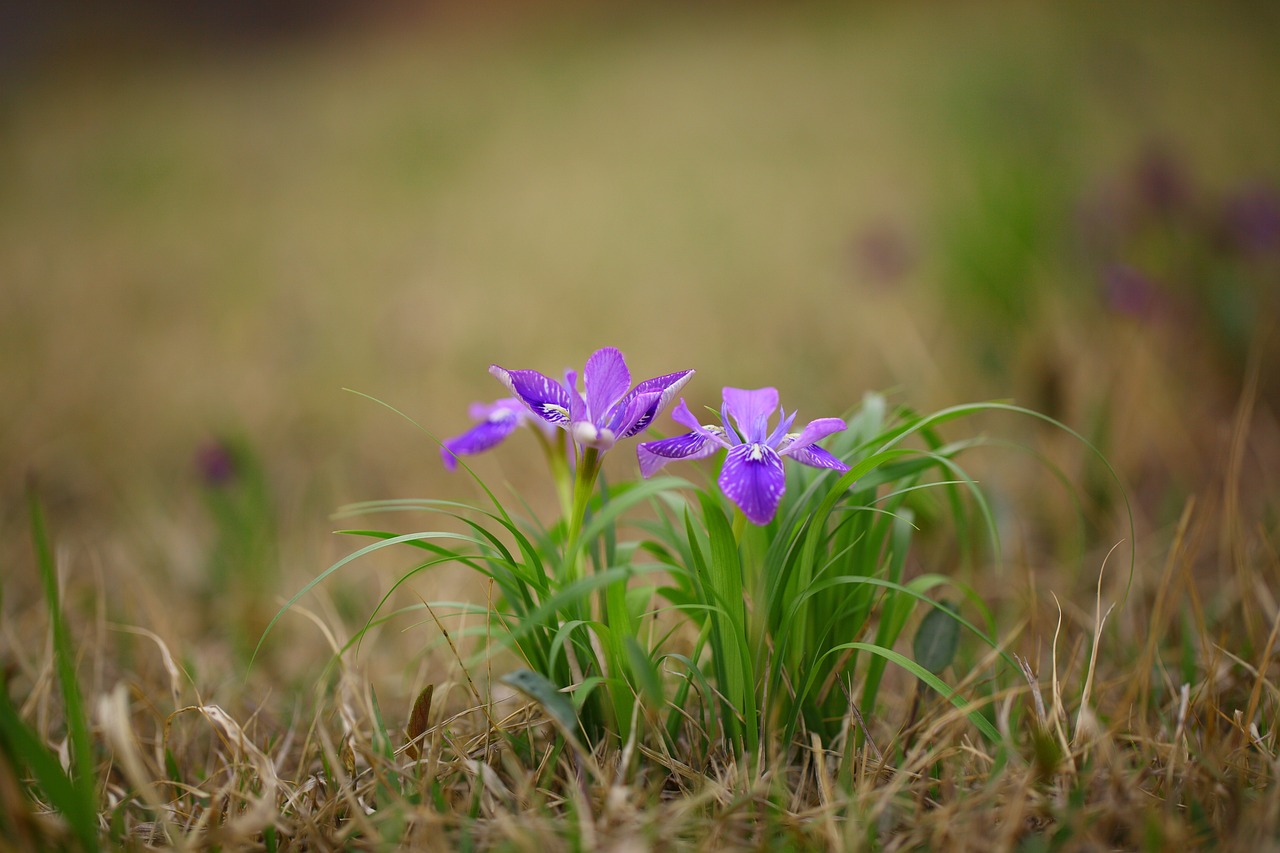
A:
(690, 650)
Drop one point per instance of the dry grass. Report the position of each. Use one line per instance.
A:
(1136, 727)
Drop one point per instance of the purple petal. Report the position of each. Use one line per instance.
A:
(813, 431)
(776, 438)
(667, 387)
(654, 454)
(479, 438)
(817, 457)
(713, 432)
(577, 406)
(730, 434)
(544, 396)
(752, 477)
(681, 415)
(606, 378)
(751, 410)
(484, 411)
(632, 414)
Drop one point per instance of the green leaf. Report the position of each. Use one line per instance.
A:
(540, 690)
(81, 776)
(936, 638)
(644, 671)
(24, 749)
(726, 582)
(979, 721)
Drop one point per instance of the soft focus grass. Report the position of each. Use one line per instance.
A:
(231, 239)
(215, 244)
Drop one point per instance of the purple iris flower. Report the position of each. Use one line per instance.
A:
(752, 476)
(496, 421)
(608, 411)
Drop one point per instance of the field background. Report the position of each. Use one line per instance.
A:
(209, 230)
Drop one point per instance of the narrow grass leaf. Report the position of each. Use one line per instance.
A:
(368, 549)
(645, 673)
(540, 690)
(980, 722)
(24, 749)
(77, 721)
(936, 639)
(724, 572)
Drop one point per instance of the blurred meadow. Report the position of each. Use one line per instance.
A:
(205, 240)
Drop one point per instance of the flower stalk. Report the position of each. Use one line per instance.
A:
(553, 448)
(583, 486)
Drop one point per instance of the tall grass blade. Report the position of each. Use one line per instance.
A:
(726, 582)
(23, 749)
(77, 722)
(980, 722)
(936, 639)
(542, 691)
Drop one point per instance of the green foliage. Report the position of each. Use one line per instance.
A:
(239, 501)
(73, 793)
(242, 567)
(24, 750)
(661, 596)
(935, 642)
(542, 691)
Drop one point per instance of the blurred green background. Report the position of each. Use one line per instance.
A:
(213, 222)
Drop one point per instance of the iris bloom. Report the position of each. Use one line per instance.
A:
(608, 411)
(496, 421)
(752, 476)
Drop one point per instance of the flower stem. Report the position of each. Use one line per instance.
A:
(583, 485)
(557, 460)
(739, 525)
(751, 562)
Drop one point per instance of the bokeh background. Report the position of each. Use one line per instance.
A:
(216, 217)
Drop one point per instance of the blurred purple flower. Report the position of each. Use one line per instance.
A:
(1160, 181)
(608, 412)
(1252, 219)
(752, 476)
(1129, 291)
(216, 463)
(1104, 220)
(883, 254)
(1156, 186)
(496, 421)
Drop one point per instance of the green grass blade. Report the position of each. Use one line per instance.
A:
(895, 608)
(355, 555)
(77, 721)
(726, 583)
(941, 687)
(716, 631)
(556, 704)
(936, 639)
(24, 749)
